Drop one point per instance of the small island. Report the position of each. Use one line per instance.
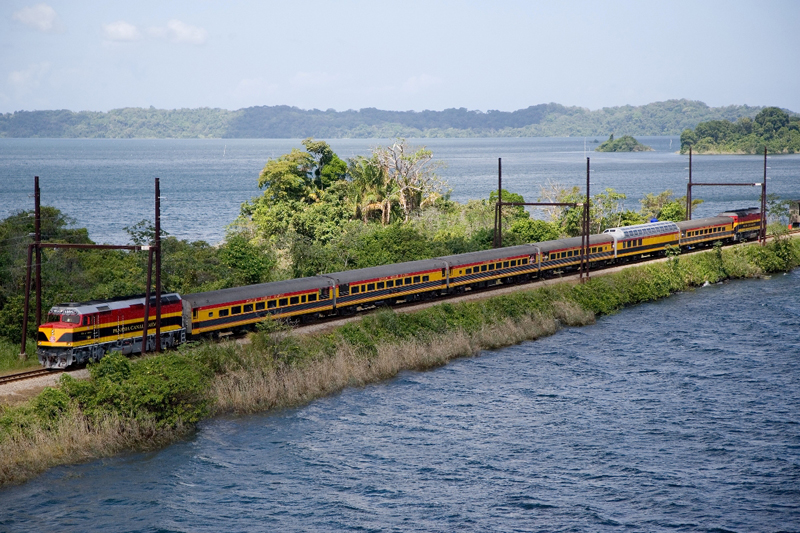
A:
(626, 143)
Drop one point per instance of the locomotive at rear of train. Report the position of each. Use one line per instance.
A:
(78, 333)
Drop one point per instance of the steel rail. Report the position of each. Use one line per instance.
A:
(30, 374)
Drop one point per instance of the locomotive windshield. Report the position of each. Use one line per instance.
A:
(70, 319)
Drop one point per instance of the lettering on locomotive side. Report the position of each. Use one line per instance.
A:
(127, 328)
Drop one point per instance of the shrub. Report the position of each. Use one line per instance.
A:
(169, 388)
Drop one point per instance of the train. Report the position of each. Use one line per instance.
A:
(80, 332)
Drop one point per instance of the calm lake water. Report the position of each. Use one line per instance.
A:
(107, 184)
(679, 415)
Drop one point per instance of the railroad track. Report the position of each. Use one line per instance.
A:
(28, 375)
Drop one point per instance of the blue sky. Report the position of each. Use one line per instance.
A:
(409, 55)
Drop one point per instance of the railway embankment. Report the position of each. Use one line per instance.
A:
(147, 403)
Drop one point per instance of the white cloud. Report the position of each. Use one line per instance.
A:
(29, 79)
(40, 17)
(121, 31)
(420, 83)
(180, 32)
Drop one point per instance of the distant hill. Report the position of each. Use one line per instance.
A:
(544, 120)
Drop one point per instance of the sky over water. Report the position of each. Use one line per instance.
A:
(505, 55)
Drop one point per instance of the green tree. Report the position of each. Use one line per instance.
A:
(372, 191)
(770, 120)
(287, 177)
(250, 264)
(527, 230)
(516, 211)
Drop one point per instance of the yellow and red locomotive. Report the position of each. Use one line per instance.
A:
(76, 333)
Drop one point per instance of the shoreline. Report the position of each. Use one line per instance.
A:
(279, 369)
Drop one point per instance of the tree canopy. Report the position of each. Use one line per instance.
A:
(772, 128)
(626, 143)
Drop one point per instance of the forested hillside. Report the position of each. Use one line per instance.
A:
(772, 128)
(544, 120)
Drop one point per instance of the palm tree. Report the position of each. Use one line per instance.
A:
(372, 190)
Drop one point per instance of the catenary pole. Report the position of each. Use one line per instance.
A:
(158, 266)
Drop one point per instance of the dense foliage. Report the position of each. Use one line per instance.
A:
(626, 143)
(659, 118)
(772, 128)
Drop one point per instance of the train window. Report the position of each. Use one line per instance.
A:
(524, 261)
(283, 301)
(259, 306)
(294, 300)
(442, 272)
(380, 285)
(271, 304)
(223, 312)
(312, 297)
(303, 299)
(426, 278)
(344, 290)
(355, 290)
(408, 281)
(398, 282)
(324, 294)
(569, 253)
(491, 267)
(514, 263)
(483, 268)
(389, 284)
(416, 279)
(210, 314)
(194, 314)
(370, 286)
(236, 310)
(248, 308)
(505, 264)
(469, 271)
